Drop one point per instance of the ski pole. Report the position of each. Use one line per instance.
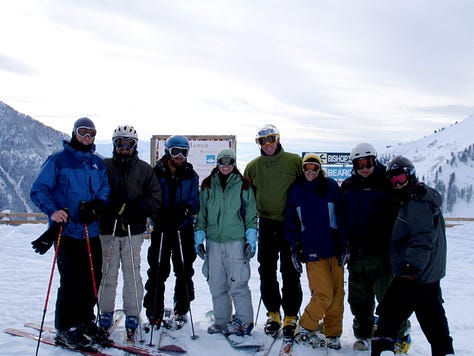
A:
(156, 287)
(258, 310)
(94, 285)
(49, 287)
(106, 269)
(193, 336)
(132, 260)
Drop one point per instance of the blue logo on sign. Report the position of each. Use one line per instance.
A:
(211, 159)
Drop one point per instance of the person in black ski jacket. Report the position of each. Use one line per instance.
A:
(418, 257)
(135, 195)
(369, 214)
(173, 233)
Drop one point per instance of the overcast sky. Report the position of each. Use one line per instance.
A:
(329, 74)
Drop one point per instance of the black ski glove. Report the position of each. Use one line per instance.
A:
(201, 251)
(90, 211)
(43, 243)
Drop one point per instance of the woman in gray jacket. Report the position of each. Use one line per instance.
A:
(418, 257)
(227, 219)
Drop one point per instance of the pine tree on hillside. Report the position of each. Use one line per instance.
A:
(451, 195)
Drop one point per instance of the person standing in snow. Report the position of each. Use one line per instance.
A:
(314, 231)
(418, 257)
(174, 224)
(72, 190)
(369, 214)
(271, 175)
(227, 220)
(135, 195)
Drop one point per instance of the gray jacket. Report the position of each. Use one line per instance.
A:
(419, 237)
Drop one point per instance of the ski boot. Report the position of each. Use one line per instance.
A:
(289, 326)
(273, 324)
(237, 327)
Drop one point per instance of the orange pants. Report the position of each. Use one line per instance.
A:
(326, 283)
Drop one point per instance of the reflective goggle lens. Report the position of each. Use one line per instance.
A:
(364, 162)
(125, 143)
(399, 179)
(271, 139)
(176, 151)
(226, 161)
(311, 167)
(84, 131)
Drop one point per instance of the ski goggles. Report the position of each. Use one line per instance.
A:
(84, 131)
(313, 167)
(176, 151)
(226, 161)
(122, 142)
(270, 139)
(398, 179)
(364, 162)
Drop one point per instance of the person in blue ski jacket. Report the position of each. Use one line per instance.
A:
(72, 189)
(313, 228)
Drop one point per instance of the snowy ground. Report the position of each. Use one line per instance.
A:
(25, 277)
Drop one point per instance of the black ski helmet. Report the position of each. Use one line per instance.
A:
(400, 164)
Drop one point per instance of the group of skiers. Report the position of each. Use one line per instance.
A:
(382, 223)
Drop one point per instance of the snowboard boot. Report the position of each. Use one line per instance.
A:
(215, 329)
(361, 344)
(72, 338)
(179, 321)
(237, 327)
(289, 326)
(272, 326)
(310, 338)
(402, 344)
(95, 334)
(333, 343)
(382, 344)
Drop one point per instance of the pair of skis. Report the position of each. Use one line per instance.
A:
(286, 347)
(49, 340)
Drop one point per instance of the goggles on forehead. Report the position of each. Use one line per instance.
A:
(399, 179)
(271, 139)
(311, 167)
(125, 142)
(226, 161)
(84, 131)
(176, 151)
(364, 162)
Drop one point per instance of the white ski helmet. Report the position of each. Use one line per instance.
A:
(125, 131)
(362, 150)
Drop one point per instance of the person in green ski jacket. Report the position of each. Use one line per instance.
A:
(227, 220)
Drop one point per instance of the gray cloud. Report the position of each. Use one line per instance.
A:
(14, 65)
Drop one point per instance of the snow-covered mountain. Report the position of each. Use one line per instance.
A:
(24, 145)
(445, 161)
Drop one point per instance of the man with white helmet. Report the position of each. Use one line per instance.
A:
(135, 195)
(369, 215)
(271, 175)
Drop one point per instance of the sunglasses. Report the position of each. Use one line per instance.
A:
(270, 139)
(399, 179)
(176, 151)
(314, 167)
(84, 131)
(226, 161)
(125, 143)
(364, 162)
